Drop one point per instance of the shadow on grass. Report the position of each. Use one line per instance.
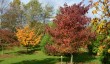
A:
(1, 61)
(44, 61)
(26, 52)
(80, 57)
(22, 52)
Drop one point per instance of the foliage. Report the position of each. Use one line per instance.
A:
(3, 8)
(101, 23)
(101, 6)
(27, 37)
(71, 32)
(12, 18)
(47, 13)
(33, 10)
(37, 26)
(44, 41)
(8, 37)
(51, 49)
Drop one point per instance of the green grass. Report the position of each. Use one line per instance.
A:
(16, 57)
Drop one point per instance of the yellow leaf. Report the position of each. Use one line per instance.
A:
(103, 8)
(105, 1)
(94, 11)
(94, 21)
(108, 50)
(96, 3)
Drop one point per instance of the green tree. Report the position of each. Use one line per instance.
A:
(47, 13)
(33, 10)
(13, 17)
(3, 8)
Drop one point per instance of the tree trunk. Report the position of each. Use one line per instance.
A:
(2, 49)
(44, 21)
(1, 18)
(44, 25)
(71, 61)
(27, 49)
(61, 59)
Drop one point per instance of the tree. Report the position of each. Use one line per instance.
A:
(3, 7)
(13, 16)
(101, 24)
(38, 26)
(33, 10)
(7, 38)
(27, 37)
(47, 12)
(70, 32)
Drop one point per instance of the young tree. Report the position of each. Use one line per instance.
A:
(70, 32)
(7, 38)
(27, 37)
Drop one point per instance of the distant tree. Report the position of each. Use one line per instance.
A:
(38, 26)
(33, 10)
(47, 13)
(4, 4)
(13, 16)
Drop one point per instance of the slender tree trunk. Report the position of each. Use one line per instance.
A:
(71, 61)
(61, 59)
(1, 18)
(44, 21)
(44, 25)
(2, 49)
(27, 49)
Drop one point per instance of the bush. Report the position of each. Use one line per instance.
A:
(46, 38)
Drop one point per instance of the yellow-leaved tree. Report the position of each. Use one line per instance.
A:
(101, 25)
(27, 37)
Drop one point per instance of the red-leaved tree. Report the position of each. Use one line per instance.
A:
(71, 30)
(7, 38)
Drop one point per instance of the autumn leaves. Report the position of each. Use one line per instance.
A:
(27, 36)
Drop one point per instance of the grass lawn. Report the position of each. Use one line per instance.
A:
(16, 57)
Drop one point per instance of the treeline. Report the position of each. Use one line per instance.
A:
(17, 14)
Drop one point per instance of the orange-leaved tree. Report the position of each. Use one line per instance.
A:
(27, 37)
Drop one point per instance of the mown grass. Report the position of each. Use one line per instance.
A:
(19, 56)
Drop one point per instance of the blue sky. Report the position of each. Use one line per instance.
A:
(57, 3)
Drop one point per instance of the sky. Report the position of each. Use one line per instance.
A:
(57, 3)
